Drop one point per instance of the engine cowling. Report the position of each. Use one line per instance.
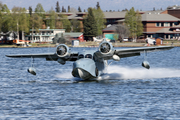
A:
(106, 48)
(62, 50)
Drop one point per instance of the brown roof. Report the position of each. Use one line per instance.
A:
(178, 26)
(114, 14)
(158, 17)
(110, 28)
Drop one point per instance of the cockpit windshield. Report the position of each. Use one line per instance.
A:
(85, 56)
(88, 56)
(81, 56)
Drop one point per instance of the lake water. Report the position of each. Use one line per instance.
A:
(128, 91)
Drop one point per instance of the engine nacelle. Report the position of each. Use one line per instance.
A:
(106, 48)
(62, 50)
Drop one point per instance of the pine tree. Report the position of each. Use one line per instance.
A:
(75, 25)
(5, 8)
(139, 26)
(97, 6)
(40, 10)
(57, 7)
(63, 10)
(133, 21)
(79, 9)
(51, 22)
(100, 21)
(30, 10)
(90, 26)
(154, 9)
(69, 9)
(66, 24)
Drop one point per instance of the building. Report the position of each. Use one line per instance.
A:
(75, 36)
(109, 32)
(69, 36)
(157, 25)
(114, 17)
(164, 24)
(43, 35)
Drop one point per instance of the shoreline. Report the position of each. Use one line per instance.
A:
(92, 44)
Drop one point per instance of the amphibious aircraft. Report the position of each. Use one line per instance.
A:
(90, 65)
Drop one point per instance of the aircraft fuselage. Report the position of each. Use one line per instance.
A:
(88, 67)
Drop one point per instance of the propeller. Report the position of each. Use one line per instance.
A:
(61, 50)
(105, 48)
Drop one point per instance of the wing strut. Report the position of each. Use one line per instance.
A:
(32, 61)
(145, 55)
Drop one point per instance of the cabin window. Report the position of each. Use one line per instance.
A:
(81, 56)
(88, 56)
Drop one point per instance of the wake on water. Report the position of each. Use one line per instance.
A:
(119, 72)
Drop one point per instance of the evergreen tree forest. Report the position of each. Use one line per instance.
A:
(19, 20)
(92, 24)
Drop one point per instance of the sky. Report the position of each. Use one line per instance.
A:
(116, 5)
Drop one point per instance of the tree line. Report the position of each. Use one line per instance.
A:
(19, 20)
(93, 23)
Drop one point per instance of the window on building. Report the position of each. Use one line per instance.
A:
(166, 24)
(157, 24)
(162, 24)
(175, 23)
(149, 35)
(171, 24)
(167, 36)
(171, 36)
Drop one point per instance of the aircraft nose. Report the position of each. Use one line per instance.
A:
(84, 68)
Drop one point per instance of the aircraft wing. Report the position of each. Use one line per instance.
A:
(48, 56)
(129, 52)
(32, 55)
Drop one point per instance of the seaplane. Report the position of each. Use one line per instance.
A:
(89, 65)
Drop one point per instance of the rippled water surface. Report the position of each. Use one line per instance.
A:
(128, 91)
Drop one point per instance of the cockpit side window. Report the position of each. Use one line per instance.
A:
(88, 56)
(81, 56)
